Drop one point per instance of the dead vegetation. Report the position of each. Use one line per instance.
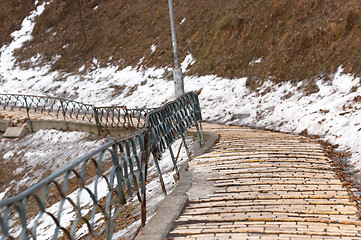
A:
(12, 13)
(294, 40)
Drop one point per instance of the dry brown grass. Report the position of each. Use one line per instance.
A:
(296, 39)
(12, 13)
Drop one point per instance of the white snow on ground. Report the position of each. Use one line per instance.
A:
(332, 113)
(8, 70)
(254, 61)
(188, 61)
(44, 152)
(153, 48)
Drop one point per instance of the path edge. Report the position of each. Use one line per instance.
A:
(160, 224)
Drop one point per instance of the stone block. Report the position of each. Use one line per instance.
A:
(15, 132)
(4, 124)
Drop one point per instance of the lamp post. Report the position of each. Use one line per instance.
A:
(177, 71)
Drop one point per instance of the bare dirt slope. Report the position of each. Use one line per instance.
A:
(296, 39)
(12, 12)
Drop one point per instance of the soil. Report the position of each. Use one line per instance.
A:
(295, 39)
(347, 172)
(12, 13)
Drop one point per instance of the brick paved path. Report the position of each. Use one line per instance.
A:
(257, 184)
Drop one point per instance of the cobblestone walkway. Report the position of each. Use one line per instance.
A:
(257, 184)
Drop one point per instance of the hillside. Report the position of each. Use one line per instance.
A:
(291, 39)
(289, 66)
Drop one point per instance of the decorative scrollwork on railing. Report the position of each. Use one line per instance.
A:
(122, 116)
(97, 185)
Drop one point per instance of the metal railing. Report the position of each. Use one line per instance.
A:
(112, 116)
(98, 185)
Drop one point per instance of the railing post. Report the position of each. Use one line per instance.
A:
(199, 135)
(201, 130)
(186, 147)
(173, 160)
(63, 110)
(198, 118)
(159, 171)
(144, 162)
(127, 118)
(97, 122)
(27, 112)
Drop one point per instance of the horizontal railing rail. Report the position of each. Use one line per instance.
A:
(98, 185)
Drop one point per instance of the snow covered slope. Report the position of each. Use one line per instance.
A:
(331, 113)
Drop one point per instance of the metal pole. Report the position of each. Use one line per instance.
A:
(177, 71)
(62, 107)
(27, 112)
(97, 122)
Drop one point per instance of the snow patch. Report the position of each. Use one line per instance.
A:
(188, 61)
(2, 194)
(44, 151)
(254, 61)
(153, 48)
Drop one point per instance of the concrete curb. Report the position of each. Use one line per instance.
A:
(78, 126)
(60, 125)
(210, 138)
(159, 226)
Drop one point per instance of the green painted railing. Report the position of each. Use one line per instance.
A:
(107, 176)
(112, 116)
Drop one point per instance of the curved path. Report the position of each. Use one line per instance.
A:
(258, 184)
